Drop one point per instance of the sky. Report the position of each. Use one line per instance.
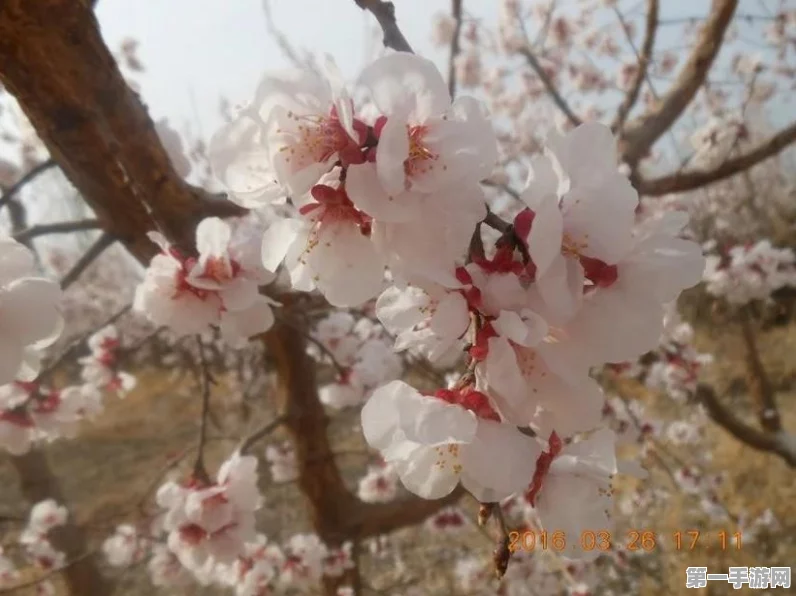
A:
(196, 51)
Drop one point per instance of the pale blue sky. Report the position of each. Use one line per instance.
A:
(198, 50)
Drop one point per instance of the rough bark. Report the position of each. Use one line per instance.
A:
(54, 61)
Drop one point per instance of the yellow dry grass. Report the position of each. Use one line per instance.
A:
(116, 461)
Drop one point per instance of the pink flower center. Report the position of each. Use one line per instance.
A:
(319, 138)
(470, 399)
(333, 205)
(543, 463)
(421, 159)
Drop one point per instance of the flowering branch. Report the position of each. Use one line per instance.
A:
(385, 15)
(643, 58)
(61, 227)
(642, 133)
(685, 181)
(780, 443)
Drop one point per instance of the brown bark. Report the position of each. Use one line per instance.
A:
(54, 61)
(640, 134)
(693, 179)
(37, 483)
(306, 423)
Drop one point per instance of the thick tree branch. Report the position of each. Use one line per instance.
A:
(690, 180)
(54, 61)
(780, 443)
(552, 90)
(306, 423)
(643, 58)
(385, 15)
(640, 134)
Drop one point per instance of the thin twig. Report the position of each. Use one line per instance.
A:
(263, 431)
(550, 86)
(385, 15)
(30, 175)
(199, 470)
(61, 227)
(456, 13)
(643, 60)
(94, 251)
(78, 343)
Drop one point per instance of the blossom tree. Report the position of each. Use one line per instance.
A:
(473, 285)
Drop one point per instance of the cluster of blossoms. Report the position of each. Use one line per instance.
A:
(44, 517)
(744, 273)
(220, 287)
(29, 317)
(210, 522)
(31, 412)
(101, 367)
(572, 283)
(363, 356)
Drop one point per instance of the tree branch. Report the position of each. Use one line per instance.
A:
(375, 519)
(55, 63)
(642, 133)
(780, 443)
(644, 58)
(30, 175)
(557, 98)
(757, 379)
(61, 227)
(265, 430)
(690, 180)
(83, 263)
(199, 469)
(456, 13)
(385, 15)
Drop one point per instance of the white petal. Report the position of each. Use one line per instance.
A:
(391, 153)
(212, 237)
(367, 193)
(495, 442)
(277, 240)
(402, 79)
(547, 231)
(452, 316)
